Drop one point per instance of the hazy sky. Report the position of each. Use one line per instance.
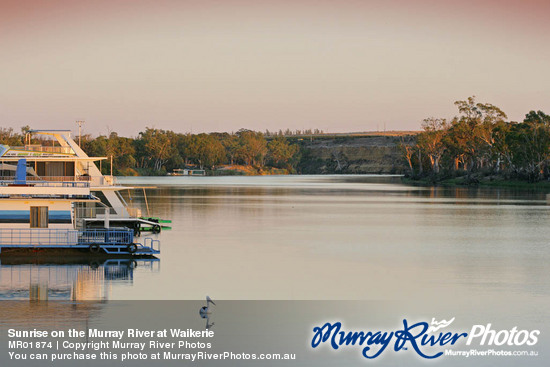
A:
(201, 66)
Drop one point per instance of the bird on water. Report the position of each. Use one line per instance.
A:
(205, 310)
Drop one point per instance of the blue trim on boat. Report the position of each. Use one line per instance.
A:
(23, 216)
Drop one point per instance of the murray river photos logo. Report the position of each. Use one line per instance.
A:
(425, 339)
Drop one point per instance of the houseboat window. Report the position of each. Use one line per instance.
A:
(39, 217)
(55, 169)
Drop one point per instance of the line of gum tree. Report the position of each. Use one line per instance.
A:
(480, 142)
(157, 151)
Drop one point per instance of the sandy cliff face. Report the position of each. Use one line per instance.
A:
(370, 154)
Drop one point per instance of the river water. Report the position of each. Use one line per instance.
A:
(343, 237)
(476, 252)
(335, 238)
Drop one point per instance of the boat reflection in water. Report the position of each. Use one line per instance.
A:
(38, 280)
(57, 295)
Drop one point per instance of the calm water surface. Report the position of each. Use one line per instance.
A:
(320, 237)
(480, 255)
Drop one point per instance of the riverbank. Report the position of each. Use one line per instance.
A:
(376, 153)
(487, 181)
(242, 170)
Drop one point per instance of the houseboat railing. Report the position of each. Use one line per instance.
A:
(102, 180)
(45, 149)
(105, 180)
(48, 183)
(109, 180)
(38, 237)
(43, 237)
(51, 178)
(106, 236)
(94, 181)
(99, 212)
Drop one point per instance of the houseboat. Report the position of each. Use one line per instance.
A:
(54, 197)
(187, 172)
(65, 161)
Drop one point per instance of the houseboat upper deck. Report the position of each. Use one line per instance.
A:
(64, 161)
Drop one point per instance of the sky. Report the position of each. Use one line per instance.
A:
(222, 65)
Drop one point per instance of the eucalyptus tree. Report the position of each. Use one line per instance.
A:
(431, 140)
(281, 152)
(252, 147)
(157, 146)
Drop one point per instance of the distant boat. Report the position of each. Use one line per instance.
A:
(187, 172)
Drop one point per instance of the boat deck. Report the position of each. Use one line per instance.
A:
(119, 241)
